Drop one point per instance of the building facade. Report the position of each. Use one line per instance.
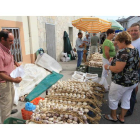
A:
(127, 22)
(51, 30)
(34, 32)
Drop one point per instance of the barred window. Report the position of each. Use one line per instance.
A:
(16, 47)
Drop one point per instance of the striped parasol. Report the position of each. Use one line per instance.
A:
(92, 24)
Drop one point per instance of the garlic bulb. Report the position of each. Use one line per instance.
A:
(43, 109)
(69, 102)
(79, 103)
(66, 116)
(74, 122)
(73, 103)
(37, 106)
(84, 103)
(75, 119)
(69, 121)
(74, 95)
(51, 119)
(70, 117)
(86, 110)
(61, 115)
(80, 113)
(59, 118)
(61, 122)
(84, 117)
(81, 109)
(65, 102)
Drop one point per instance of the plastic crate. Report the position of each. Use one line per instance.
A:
(14, 121)
(82, 68)
(94, 70)
(36, 100)
(26, 115)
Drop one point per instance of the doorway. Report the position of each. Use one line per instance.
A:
(50, 40)
(71, 35)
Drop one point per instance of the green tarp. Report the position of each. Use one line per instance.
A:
(45, 84)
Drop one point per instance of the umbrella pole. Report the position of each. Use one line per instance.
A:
(90, 44)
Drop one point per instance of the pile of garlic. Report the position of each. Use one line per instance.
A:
(56, 118)
(68, 102)
(55, 112)
(95, 64)
(96, 57)
(95, 60)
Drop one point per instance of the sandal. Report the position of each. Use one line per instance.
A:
(119, 119)
(110, 118)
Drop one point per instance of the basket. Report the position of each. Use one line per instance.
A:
(36, 100)
(14, 121)
(26, 115)
(94, 70)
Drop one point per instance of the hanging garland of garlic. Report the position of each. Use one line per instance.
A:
(69, 102)
(79, 90)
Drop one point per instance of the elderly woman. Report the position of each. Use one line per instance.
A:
(124, 68)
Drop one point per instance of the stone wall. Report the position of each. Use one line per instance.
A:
(62, 23)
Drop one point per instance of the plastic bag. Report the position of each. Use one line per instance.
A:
(33, 75)
(48, 62)
(18, 72)
(104, 83)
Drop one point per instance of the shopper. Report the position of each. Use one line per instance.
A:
(86, 40)
(108, 52)
(124, 68)
(134, 30)
(6, 82)
(80, 47)
(94, 44)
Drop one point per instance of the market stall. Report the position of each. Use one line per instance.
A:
(92, 25)
(70, 102)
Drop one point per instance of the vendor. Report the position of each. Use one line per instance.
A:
(7, 92)
(80, 47)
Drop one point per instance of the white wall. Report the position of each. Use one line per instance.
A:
(11, 18)
(62, 23)
(26, 34)
(33, 34)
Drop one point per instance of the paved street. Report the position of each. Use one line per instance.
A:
(68, 69)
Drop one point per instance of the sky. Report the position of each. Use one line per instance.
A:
(112, 17)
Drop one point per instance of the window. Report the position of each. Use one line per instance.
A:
(16, 47)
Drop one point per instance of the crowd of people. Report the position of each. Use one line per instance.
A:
(123, 64)
(86, 46)
(121, 58)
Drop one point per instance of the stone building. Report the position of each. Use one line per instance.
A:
(127, 22)
(51, 30)
(34, 32)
